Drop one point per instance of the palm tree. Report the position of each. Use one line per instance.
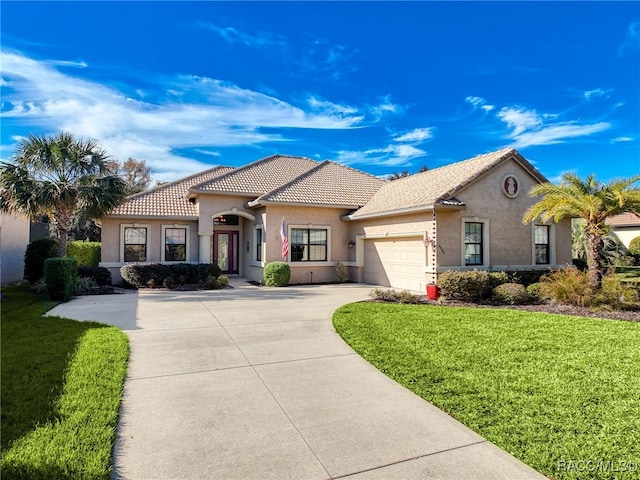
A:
(590, 200)
(61, 177)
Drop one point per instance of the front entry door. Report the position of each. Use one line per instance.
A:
(226, 251)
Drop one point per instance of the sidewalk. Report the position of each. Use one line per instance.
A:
(254, 383)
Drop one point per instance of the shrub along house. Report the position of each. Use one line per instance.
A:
(399, 234)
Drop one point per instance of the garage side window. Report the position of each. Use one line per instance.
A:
(309, 244)
(175, 244)
(135, 244)
(542, 244)
(473, 241)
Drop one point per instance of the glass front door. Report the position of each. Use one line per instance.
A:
(225, 251)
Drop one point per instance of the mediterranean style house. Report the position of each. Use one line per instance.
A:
(401, 233)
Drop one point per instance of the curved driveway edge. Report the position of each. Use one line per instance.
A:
(254, 383)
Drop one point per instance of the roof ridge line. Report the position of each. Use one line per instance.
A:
(175, 182)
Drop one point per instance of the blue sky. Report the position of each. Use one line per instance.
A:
(379, 86)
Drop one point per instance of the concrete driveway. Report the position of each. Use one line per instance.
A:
(254, 383)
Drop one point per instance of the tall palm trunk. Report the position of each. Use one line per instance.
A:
(594, 261)
(62, 220)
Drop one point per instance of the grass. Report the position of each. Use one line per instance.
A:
(61, 389)
(555, 391)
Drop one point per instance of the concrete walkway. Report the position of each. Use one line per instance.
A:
(254, 383)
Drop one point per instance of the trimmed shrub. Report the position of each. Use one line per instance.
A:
(470, 285)
(511, 294)
(35, 255)
(206, 270)
(393, 296)
(86, 253)
(153, 274)
(569, 286)
(634, 246)
(533, 291)
(277, 274)
(60, 273)
(528, 277)
(168, 282)
(100, 275)
(223, 281)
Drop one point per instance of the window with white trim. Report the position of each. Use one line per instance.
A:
(135, 243)
(542, 244)
(473, 243)
(175, 244)
(309, 244)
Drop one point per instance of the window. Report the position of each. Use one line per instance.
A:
(135, 244)
(175, 244)
(541, 244)
(473, 254)
(258, 244)
(309, 244)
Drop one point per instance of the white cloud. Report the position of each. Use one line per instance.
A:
(631, 41)
(479, 102)
(622, 139)
(530, 128)
(233, 36)
(416, 135)
(598, 92)
(519, 119)
(190, 112)
(392, 155)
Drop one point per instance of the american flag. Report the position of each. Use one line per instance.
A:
(285, 240)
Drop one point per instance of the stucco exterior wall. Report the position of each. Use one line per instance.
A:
(311, 217)
(626, 234)
(14, 237)
(510, 242)
(111, 241)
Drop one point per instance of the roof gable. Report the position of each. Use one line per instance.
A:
(259, 177)
(438, 186)
(328, 183)
(168, 200)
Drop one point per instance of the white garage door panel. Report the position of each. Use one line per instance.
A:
(397, 263)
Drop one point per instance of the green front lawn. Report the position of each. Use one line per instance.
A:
(61, 390)
(560, 393)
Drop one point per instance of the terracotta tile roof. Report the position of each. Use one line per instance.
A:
(259, 177)
(624, 220)
(437, 186)
(329, 183)
(167, 200)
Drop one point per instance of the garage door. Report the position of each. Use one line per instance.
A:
(397, 263)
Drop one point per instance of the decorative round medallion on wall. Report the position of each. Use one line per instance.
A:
(511, 186)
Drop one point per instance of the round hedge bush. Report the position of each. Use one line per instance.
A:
(511, 294)
(634, 246)
(277, 274)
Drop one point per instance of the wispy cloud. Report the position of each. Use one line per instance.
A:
(314, 55)
(622, 139)
(417, 135)
(402, 152)
(479, 102)
(596, 93)
(390, 156)
(187, 112)
(528, 127)
(233, 36)
(631, 42)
